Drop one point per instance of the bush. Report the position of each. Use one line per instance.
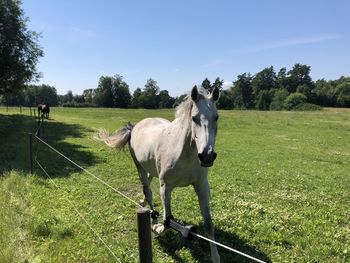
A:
(307, 107)
(293, 100)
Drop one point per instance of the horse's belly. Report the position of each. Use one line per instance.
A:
(144, 141)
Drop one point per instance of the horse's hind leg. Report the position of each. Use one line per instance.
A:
(146, 181)
(144, 178)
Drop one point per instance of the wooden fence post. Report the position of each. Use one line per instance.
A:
(144, 234)
(31, 152)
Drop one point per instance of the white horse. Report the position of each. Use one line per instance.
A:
(178, 152)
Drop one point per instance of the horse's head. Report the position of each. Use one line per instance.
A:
(204, 124)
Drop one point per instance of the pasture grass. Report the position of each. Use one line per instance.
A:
(279, 189)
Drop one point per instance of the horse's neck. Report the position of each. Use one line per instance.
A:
(180, 130)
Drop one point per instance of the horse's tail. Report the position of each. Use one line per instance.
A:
(118, 140)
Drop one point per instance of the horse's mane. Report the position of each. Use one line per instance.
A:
(183, 110)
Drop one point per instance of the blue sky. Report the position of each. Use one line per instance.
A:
(179, 43)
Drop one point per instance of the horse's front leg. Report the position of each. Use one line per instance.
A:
(203, 192)
(165, 195)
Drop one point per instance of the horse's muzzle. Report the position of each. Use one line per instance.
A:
(207, 160)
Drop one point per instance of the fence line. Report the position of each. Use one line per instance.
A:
(226, 247)
(81, 216)
(88, 172)
(134, 202)
(39, 128)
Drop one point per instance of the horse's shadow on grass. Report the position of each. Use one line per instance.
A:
(15, 139)
(55, 133)
(171, 242)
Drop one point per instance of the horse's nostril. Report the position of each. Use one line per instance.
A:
(200, 156)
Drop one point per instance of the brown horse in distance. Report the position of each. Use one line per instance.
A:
(44, 110)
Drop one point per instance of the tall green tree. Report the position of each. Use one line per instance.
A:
(69, 96)
(325, 93)
(226, 100)
(217, 84)
(149, 97)
(343, 94)
(165, 100)
(264, 80)
(262, 83)
(46, 94)
(206, 84)
(282, 80)
(243, 92)
(19, 48)
(88, 95)
(299, 75)
(104, 93)
(122, 97)
(112, 92)
(308, 91)
(136, 103)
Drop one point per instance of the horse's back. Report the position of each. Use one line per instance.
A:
(144, 141)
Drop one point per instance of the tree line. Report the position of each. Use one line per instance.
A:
(266, 90)
(285, 90)
(113, 91)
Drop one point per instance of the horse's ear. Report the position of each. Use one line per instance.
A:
(194, 93)
(215, 94)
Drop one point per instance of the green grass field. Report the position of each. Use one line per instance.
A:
(279, 189)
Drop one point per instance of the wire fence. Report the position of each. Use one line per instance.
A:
(89, 173)
(31, 111)
(40, 140)
(80, 215)
(228, 248)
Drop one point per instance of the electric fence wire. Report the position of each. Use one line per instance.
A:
(81, 216)
(134, 202)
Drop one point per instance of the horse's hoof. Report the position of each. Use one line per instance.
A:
(158, 229)
(143, 203)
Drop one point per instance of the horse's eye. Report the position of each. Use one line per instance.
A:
(194, 119)
(216, 117)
